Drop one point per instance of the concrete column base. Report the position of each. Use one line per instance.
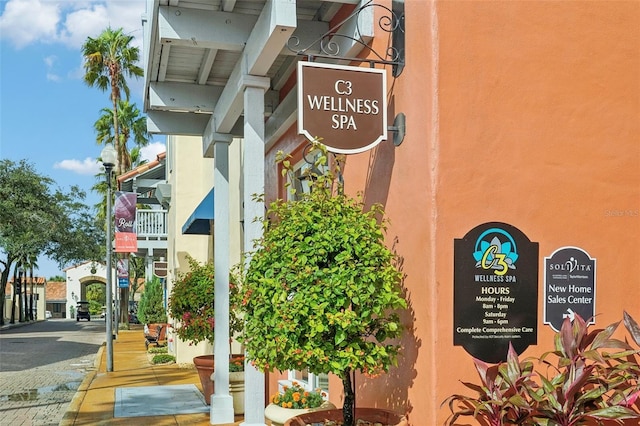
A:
(221, 411)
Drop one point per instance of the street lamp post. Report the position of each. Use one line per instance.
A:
(108, 156)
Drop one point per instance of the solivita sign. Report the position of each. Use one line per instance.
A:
(345, 107)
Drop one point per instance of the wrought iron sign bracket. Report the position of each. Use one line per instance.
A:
(392, 21)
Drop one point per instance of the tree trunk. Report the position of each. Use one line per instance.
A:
(349, 404)
(20, 317)
(31, 318)
(13, 299)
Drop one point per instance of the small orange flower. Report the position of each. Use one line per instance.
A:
(295, 396)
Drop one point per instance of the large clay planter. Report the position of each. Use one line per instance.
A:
(204, 365)
(236, 389)
(280, 416)
(384, 417)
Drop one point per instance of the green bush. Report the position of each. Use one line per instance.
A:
(323, 290)
(151, 307)
(158, 350)
(163, 359)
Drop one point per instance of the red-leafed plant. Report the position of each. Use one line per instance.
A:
(191, 303)
(502, 393)
(594, 378)
(586, 383)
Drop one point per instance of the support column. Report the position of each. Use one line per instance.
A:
(221, 401)
(148, 268)
(253, 177)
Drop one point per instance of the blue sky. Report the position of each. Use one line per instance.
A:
(47, 112)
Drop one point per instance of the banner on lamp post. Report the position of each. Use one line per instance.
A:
(125, 217)
(122, 268)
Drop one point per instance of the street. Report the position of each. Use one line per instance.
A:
(41, 366)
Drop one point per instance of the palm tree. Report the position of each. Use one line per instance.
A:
(107, 60)
(25, 260)
(131, 124)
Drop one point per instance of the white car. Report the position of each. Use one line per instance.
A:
(47, 314)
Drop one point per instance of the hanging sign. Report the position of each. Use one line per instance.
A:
(569, 286)
(160, 269)
(125, 217)
(346, 107)
(495, 291)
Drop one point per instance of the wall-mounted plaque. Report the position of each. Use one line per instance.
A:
(569, 286)
(495, 291)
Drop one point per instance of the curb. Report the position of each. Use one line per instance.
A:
(71, 414)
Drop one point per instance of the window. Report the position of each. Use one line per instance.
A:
(307, 380)
(300, 177)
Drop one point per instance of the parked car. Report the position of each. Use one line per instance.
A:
(47, 314)
(82, 311)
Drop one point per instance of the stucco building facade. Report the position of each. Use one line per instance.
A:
(518, 115)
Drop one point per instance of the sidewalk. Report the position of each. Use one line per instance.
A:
(95, 401)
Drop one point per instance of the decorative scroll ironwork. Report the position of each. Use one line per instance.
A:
(327, 47)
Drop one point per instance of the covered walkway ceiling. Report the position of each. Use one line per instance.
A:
(201, 54)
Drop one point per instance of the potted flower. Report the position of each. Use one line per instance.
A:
(191, 304)
(295, 400)
(322, 290)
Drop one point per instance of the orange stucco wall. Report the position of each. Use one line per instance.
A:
(526, 113)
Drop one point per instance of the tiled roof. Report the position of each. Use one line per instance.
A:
(56, 290)
(36, 280)
(143, 168)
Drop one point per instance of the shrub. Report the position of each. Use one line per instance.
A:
(594, 378)
(163, 359)
(192, 303)
(158, 350)
(151, 307)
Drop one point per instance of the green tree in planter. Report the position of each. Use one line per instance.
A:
(322, 290)
(151, 307)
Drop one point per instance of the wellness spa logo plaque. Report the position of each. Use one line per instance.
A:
(495, 291)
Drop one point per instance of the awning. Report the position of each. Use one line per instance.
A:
(199, 223)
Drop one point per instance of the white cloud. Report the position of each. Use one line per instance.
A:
(151, 151)
(50, 62)
(88, 166)
(29, 21)
(66, 22)
(91, 166)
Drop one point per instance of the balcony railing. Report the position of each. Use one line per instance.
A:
(151, 224)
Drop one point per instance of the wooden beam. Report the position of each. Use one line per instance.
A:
(183, 97)
(205, 29)
(176, 123)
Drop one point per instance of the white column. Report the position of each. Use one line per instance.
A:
(148, 270)
(221, 401)
(253, 176)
